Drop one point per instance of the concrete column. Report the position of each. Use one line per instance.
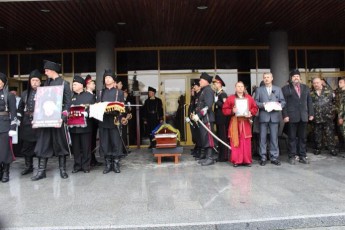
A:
(279, 57)
(105, 58)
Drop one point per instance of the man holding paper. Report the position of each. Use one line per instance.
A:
(270, 100)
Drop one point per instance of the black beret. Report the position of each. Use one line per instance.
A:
(206, 77)
(35, 74)
(218, 79)
(109, 72)
(294, 72)
(3, 78)
(152, 89)
(52, 66)
(79, 79)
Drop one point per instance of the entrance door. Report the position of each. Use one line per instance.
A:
(175, 94)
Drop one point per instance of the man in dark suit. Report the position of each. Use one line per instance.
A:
(296, 113)
(266, 97)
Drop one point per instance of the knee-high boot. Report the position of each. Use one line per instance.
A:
(209, 157)
(6, 173)
(62, 167)
(28, 166)
(108, 162)
(41, 172)
(116, 165)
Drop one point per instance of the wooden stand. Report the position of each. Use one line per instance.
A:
(167, 152)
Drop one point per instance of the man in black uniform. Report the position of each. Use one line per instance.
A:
(90, 88)
(81, 136)
(204, 113)
(109, 130)
(53, 141)
(26, 109)
(222, 121)
(196, 152)
(8, 125)
(153, 113)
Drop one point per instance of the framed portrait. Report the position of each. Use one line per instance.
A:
(242, 107)
(48, 106)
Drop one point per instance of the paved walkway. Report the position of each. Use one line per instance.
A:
(184, 196)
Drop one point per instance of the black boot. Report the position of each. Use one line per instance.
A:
(1, 170)
(41, 172)
(209, 157)
(28, 166)
(116, 165)
(107, 167)
(62, 167)
(201, 156)
(6, 173)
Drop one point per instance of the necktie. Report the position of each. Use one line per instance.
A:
(298, 89)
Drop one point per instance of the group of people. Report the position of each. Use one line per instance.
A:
(272, 108)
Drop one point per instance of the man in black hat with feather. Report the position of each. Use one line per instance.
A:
(110, 141)
(26, 108)
(53, 141)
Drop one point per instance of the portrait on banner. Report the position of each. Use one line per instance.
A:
(48, 106)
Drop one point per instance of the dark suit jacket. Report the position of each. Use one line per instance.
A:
(261, 97)
(297, 108)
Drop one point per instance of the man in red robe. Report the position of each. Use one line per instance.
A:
(240, 130)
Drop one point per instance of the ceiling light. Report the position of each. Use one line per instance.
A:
(201, 7)
(268, 23)
(45, 10)
(121, 23)
(1, 27)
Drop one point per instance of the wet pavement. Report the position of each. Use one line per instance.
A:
(183, 196)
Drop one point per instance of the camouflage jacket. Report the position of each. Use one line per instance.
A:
(339, 98)
(341, 104)
(324, 108)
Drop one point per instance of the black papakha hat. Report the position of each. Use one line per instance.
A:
(196, 82)
(220, 80)
(295, 72)
(52, 66)
(109, 72)
(206, 77)
(3, 78)
(152, 89)
(35, 74)
(79, 79)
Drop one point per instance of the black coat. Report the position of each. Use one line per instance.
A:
(110, 95)
(10, 107)
(206, 99)
(26, 108)
(84, 98)
(220, 117)
(297, 108)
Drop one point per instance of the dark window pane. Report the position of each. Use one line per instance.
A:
(300, 59)
(243, 60)
(292, 59)
(186, 59)
(67, 62)
(29, 62)
(13, 64)
(84, 62)
(3, 64)
(325, 59)
(136, 60)
(263, 59)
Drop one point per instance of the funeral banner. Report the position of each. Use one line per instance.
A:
(48, 106)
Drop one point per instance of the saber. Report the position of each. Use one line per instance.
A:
(68, 139)
(210, 132)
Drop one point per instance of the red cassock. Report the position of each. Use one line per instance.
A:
(240, 131)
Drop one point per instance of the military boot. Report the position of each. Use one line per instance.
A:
(107, 168)
(1, 170)
(6, 173)
(62, 167)
(209, 157)
(317, 151)
(202, 155)
(116, 165)
(41, 172)
(333, 152)
(28, 166)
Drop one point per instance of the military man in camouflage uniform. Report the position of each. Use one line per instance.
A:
(340, 99)
(324, 110)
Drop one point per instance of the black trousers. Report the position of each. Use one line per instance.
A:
(297, 129)
(223, 154)
(110, 142)
(6, 155)
(51, 141)
(81, 148)
(28, 148)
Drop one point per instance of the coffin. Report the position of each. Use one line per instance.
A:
(166, 136)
